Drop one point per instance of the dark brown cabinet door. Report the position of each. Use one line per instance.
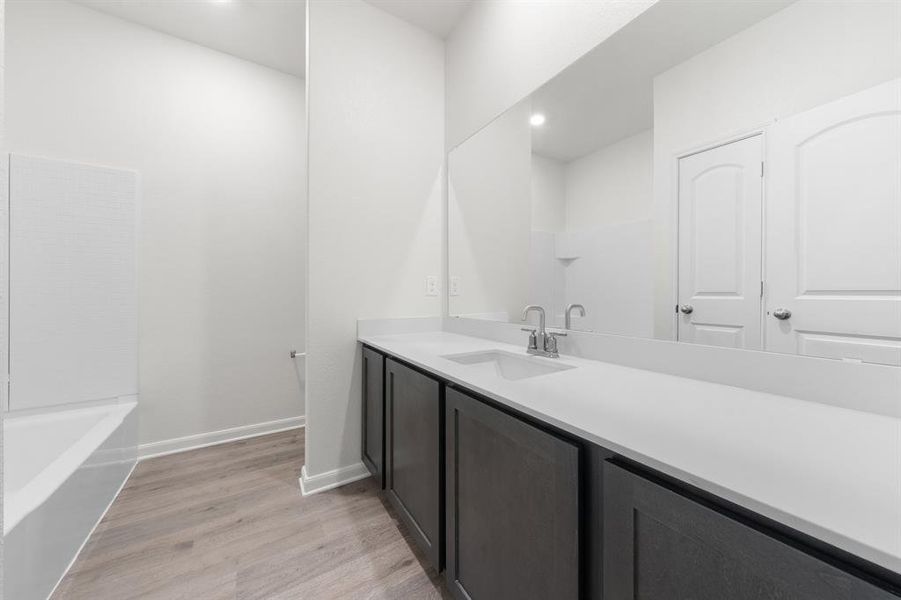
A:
(661, 545)
(512, 506)
(413, 455)
(374, 414)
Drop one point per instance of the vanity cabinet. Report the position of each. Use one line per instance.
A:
(662, 545)
(374, 414)
(512, 506)
(414, 455)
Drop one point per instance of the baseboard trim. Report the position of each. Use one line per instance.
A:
(212, 438)
(331, 479)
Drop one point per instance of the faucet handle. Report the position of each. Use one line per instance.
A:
(533, 338)
(550, 342)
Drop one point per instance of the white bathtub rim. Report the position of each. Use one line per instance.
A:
(59, 410)
(19, 503)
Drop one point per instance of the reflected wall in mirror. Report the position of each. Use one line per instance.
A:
(723, 173)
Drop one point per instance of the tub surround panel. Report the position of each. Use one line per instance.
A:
(73, 282)
(826, 471)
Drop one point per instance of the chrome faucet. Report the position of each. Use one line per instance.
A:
(568, 318)
(541, 342)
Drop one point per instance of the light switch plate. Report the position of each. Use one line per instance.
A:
(431, 285)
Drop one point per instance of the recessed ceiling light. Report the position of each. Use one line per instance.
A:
(537, 120)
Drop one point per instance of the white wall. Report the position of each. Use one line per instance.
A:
(548, 194)
(605, 239)
(597, 206)
(490, 217)
(547, 284)
(546, 279)
(805, 55)
(218, 143)
(503, 50)
(614, 184)
(376, 140)
(609, 196)
(4, 271)
(612, 277)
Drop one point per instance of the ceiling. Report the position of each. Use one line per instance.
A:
(268, 32)
(436, 16)
(608, 94)
(271, 33)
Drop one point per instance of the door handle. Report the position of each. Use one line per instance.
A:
(687, 309)
(782, 314)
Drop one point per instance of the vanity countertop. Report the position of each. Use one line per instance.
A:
(830, 472)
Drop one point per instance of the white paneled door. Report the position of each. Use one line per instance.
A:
(720, 213)
(834, 230)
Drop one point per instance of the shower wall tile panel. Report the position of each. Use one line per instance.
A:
(73, 282)
(4, 281)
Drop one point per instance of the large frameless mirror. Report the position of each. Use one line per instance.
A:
(723, 173)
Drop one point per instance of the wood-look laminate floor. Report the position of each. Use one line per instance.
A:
(229, 522)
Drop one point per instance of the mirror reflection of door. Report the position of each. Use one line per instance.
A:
(585, 192)
(832, 284)
(834, 230)
(720, 204)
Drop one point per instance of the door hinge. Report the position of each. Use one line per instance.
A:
(761, 168)
(761, 289)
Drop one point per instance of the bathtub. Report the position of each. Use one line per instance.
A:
(61, 471)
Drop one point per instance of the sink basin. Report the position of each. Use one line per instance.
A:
(508, 365)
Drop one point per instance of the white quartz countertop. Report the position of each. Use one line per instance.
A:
(830, 472)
